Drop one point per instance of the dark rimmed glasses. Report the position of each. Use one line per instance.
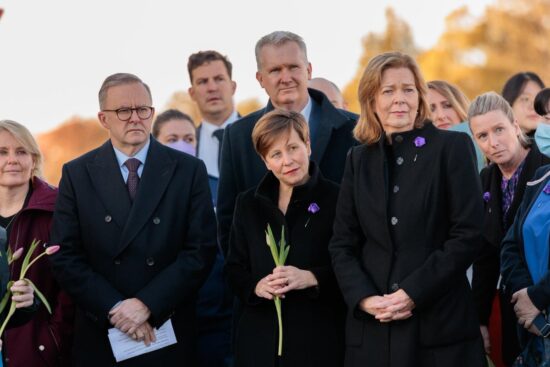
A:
(125, 113)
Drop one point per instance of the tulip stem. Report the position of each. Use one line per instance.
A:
(280, 321)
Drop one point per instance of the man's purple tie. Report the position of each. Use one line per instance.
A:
(133, 179)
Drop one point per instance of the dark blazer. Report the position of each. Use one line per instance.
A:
(47, 338)
(157, 249)
(515, 273)
(242, 168)
(410, 218)
(486, 268)
(313, 319)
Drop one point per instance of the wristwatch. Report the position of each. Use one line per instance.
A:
(542, 325)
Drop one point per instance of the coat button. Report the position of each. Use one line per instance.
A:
(399, 160)
(150, 261)
(394, 287)
(395, 189)
(394, 221)
(108, 219)
(398, 139)
(156, 220)
(41, 348)
(117, 261)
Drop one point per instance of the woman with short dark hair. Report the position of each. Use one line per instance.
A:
(293, 196)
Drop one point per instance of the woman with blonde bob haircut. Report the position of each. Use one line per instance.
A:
(407, 227)
(295, 196)
(368, 129)
(26, 210)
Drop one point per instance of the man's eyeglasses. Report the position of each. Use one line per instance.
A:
(125, 113)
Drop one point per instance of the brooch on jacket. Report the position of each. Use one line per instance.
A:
(312, 209)
(419, 142)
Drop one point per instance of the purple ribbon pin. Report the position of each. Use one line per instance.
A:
(313, 208)
(546, 189)
(486, 196)
(419, 141)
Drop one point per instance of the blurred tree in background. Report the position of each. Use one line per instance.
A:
(477, 54)
(397, 36)
(481, 54)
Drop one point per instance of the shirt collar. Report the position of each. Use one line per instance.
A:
(141, 155)
(213, 127)
(306, 112)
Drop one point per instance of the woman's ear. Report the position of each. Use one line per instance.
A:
(265, 162)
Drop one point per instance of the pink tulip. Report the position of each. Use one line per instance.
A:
(17, 254)
(52, 250)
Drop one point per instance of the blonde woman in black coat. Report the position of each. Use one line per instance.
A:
(295, 195)
(408, 225)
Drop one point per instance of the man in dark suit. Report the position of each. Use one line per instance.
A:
(212, 89)
(283, 71)
(136, 227)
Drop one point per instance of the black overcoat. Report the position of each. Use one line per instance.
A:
(313, 319)
(153, 249)
(486, 268)
(241, 168)
(409, 217)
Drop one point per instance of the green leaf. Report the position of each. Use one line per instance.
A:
(272, 245)
(40, 295)
(282, 246)
(287, 249)
(27, 258)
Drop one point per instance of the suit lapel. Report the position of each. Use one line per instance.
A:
(109, 185)
(198, 133)
(327, 119)
(533, 160)
(157, 173)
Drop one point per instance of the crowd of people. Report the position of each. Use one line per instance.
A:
(299, 235)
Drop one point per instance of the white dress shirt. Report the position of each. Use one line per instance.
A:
(209, 145)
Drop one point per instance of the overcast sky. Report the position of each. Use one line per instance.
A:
(55, 54)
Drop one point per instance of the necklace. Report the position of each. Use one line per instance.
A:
(11, 220)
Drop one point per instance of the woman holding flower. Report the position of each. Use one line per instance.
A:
(514, 160)
(408, 225)
(295, 196)
(26, 208)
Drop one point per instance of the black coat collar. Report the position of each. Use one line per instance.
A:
(268, 189)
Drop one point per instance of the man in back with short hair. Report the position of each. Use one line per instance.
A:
(330, 90)
(283, 70)
(212, 88)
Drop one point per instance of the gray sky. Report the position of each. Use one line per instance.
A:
(55, 54)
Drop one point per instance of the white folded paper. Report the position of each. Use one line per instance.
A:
(125, 347)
